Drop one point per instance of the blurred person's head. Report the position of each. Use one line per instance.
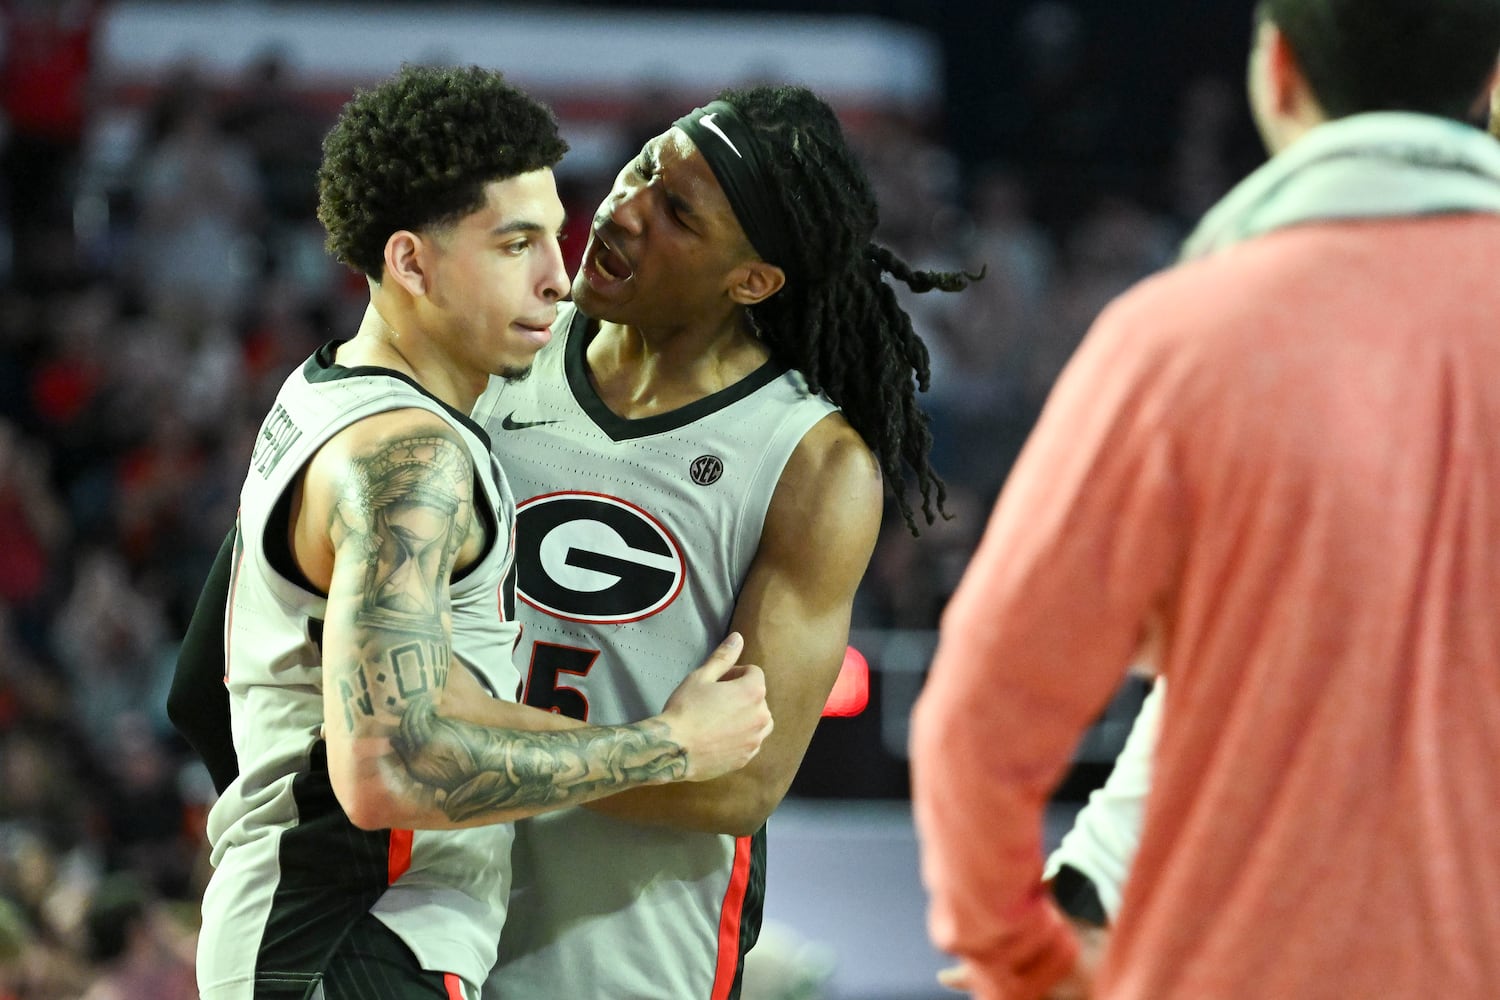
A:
(1317, 60)
(754, 214)
(28, 863)
(15, 934)
(117, 917)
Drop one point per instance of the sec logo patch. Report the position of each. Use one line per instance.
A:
(706, 470)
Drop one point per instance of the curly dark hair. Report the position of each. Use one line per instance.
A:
(417, 151)
(837, 320)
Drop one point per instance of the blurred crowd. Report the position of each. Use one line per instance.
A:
(161, 270)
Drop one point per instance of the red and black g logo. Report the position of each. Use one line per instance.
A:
(588, 557)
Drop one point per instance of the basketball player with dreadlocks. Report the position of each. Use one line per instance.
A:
(704, 445)
(701, 447)
(367, 645)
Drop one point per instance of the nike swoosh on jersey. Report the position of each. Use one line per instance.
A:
(510, 423)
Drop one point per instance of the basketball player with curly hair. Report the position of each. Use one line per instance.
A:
(361, 849)
(705, 445)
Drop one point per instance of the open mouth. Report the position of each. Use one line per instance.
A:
(610, 263)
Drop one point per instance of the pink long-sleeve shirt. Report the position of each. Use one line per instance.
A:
(1281, 463)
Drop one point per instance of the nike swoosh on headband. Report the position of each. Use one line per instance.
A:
(707, 121)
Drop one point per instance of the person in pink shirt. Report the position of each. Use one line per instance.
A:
(1273, 471)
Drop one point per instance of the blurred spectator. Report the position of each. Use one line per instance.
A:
(19, 336)
(916, 182)
(1204, 163)
(280, 332)
(199, 204)
(46, 93)
(282, 131)
(107, 636)
(32, 691)
(910, 579)
(33, 524)
(1067, 111)
(44, 793)
(70, 371)
(155, 490)
(145, 814)
(980, 400)
(1114, 245)
(15, 941)
(141, 949)
(30, 967)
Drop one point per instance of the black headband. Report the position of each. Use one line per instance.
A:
(734, 155)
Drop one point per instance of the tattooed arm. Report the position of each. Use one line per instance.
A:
(385, 516)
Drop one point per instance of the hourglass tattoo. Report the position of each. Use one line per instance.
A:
(408, 508)
(406, 511)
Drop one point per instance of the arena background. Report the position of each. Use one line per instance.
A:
(160, 270)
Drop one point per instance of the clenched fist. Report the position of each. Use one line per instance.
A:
(718, 714)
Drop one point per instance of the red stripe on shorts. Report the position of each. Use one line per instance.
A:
(454, 984)
(729, 920)
(398, 854)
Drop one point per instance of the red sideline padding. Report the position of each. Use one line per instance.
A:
(851, 692)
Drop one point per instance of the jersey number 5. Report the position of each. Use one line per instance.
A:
(549, 664)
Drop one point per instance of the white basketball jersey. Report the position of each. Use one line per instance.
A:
(633, 539)
(291, 872)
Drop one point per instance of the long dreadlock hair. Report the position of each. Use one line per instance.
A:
(836, 320)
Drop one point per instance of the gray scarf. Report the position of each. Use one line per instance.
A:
(1380, 165)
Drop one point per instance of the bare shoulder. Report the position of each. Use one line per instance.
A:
(405, 459)
(830, 490)
(386, 450)
(380, 430)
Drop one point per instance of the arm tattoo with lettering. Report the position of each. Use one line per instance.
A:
(403, 516)
(404, 513)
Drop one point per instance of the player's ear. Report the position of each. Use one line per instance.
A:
(1494, 94)
(405, 261)
(755, 282)
(1288, 84)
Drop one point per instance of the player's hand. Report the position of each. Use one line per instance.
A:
(958, 978)
(719, 714)
(1078, 984)
(1074, 986)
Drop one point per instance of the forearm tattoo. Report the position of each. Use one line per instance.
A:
(403, 515)
(479, 770)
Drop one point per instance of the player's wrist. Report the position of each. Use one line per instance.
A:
(664, 733)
